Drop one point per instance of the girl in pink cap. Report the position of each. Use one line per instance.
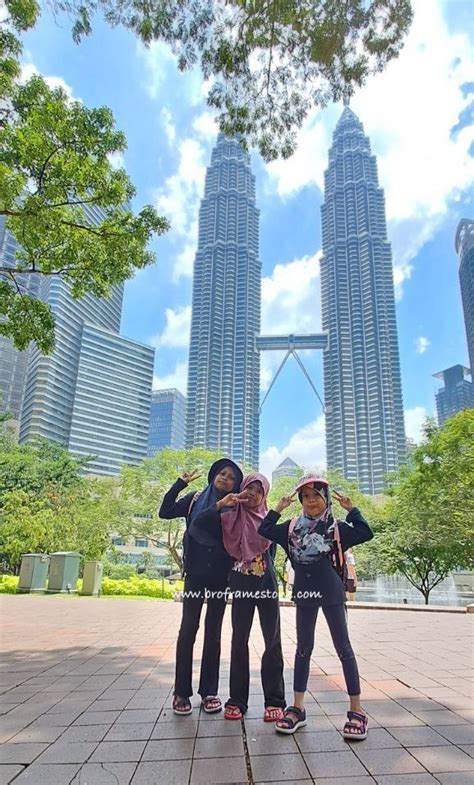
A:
(311, 541)
(253, 584)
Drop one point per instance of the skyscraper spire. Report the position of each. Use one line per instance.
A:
(224, 367)
(365, 434)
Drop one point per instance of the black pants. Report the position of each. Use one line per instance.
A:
(243, 610)
(211, 652)
(336, 618)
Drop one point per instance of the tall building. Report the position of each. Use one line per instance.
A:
(167, 421)
(365, 432)
(465, 250)
(13, 363)
(93, 392)
(457, 393)
(287, 468)
(224, 367)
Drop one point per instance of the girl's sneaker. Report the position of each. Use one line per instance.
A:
(292, 719)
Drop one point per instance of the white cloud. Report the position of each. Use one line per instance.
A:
(184, 263)
(168, 125)
(158, 58)
(408, 112)
(307, 447)
(177, 329)
(117, 160)
(414, 419)
(290, 304)
(177, 378)
(422, 344)
(205, 125)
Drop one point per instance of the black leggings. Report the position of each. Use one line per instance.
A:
(211, 652)
(337, 622)
(243, 610)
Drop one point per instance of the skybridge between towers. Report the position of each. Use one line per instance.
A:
(291, 343)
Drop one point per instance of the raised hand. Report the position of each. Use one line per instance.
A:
(231, 500)
(188, 477)
(344, 501)
(285, 502)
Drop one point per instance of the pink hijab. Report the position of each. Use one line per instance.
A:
(240, 525)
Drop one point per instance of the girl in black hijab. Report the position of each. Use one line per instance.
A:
(206, 569)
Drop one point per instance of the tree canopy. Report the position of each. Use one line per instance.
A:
(61, 197)
(268, 62)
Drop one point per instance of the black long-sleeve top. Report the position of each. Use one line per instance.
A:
(203, 560)
(318, 584)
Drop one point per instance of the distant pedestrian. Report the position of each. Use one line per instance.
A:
(351, 583)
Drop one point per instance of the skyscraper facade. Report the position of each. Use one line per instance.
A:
(224, 367)
(13, 363)
(457, 393)
(465, 250)
(365, 432)
(167, 421)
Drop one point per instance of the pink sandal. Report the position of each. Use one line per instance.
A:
(356, 726)
(273, 714)
(233, 713)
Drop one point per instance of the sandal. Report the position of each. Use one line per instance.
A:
(233, 713)
(293, 718)
(273, 714)
(356, 726)
(211, 704)
(182, 706)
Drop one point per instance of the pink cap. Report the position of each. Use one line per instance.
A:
(310, 479)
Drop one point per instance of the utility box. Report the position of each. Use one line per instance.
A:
(92, 578)
(63, 572)
(33, 572)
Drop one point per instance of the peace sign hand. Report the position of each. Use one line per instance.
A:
(188, 477)
(285, 502)
(231, 500)
(344, 501)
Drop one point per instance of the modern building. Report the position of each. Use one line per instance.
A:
(287, 468)
(167, 421)
(224, 366)
(465, 250)
(365, 432)
(13, 363)
(457, 393)
(93, 392)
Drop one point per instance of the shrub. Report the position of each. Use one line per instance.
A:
(138, 586)
(8, 584)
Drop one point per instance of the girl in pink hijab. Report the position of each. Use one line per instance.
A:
(253, 584)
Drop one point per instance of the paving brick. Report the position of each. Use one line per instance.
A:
(388, 761)
(8, 772)
(105, 774)
(219, 746)
(447, 759)
(225, 771)
(118, 751)
(61, 774)
(176, 772)
(20, 753)
(333, 764)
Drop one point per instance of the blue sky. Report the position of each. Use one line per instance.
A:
(417, 115)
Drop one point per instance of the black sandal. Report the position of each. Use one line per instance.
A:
(182, 706)
(292, 719)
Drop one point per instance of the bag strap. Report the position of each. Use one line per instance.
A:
(292, 525)
(337, 540)
(192, 503)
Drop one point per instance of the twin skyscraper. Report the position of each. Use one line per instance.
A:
(365, 433)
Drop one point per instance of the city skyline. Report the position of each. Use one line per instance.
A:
(416, 115)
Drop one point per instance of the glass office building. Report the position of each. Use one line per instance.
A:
(167, 421)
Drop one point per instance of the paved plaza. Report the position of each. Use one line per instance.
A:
(86, 700)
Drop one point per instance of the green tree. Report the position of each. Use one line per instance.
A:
(55, 168)
(268, 62)
(141, 490)
(429, 529)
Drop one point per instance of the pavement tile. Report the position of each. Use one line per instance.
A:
(68, 752)
(133, 731)
(418, 737)
(38, 733)
(406, 779)
(443, 717)
(328, 741)
(139, 715)
(457, 734)
(378, 739)
(218, 746)
(118, 751)
(20, 753)
(448, 759)
(176, 772)
(388, 761)
(105, 774)
(179, 730)
(211, 771)
(222, 728)
(169, 749)
(8, 771)
(267, 768)
(97, 718)
(469, 748)
(333, 764)
(456, 778)
(61, 774)
(85, 733)
(342, 781)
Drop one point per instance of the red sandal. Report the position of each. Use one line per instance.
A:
(232, 713)
(273, 714)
